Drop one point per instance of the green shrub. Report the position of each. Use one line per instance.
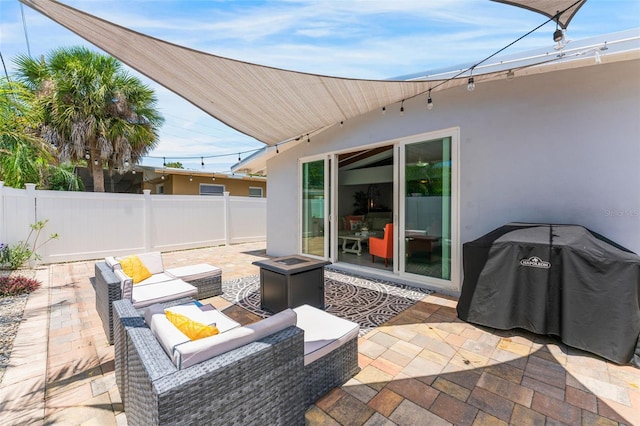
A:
(13, 257)
(13, 286)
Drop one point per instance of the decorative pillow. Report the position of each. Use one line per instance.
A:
(349, 219)
(192, 329)
(134, 268)
(354, 225)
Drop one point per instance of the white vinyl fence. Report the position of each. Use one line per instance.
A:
(95, 225)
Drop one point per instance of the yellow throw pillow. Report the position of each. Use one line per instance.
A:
(133, 267)
(192, 329)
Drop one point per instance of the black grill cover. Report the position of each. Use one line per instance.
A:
(561, 280)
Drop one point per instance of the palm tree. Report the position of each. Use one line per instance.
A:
(23, 156)
(93, 110)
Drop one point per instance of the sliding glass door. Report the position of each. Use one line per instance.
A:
(426, 226)
(409, 184)
(314, 208)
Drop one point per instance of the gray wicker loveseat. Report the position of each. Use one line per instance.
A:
(261, 381)
(177, 284)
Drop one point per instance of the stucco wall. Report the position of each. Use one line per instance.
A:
(560, 147)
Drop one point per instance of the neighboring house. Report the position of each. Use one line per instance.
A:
(164, 180)
(554, 143)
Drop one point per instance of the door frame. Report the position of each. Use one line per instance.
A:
(331, 240)
(454, 283)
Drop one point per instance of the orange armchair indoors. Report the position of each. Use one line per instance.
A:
(382, 247)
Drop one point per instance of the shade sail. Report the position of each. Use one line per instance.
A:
(270, 104)
(550, 8)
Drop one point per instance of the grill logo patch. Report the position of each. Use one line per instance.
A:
(535, 262)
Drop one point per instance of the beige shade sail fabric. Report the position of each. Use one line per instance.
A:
(550, 8)
(272, 105)
(269, 104)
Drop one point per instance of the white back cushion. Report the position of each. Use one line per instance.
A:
(153, 261)
(193, 352)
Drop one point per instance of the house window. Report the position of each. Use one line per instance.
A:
(211, 189)
(255, 191)
(160, 188)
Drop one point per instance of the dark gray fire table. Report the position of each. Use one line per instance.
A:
(291, 281)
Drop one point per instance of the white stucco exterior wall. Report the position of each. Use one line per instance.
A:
(558, 147)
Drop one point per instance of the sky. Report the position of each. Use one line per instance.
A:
(373, 39)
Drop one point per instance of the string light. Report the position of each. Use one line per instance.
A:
(202, 161)
(402, 108)
(239, 158)
(277, 150)
(429, 101)
(384, 110)
(164, 164)
(190, 178)
(95, 161)
(308, 138)
(341, 124)
(471, 84)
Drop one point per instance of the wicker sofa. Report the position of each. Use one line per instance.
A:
(177, 284)
(270, 380)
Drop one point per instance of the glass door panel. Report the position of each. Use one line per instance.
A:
(313, 208)
(427, 208)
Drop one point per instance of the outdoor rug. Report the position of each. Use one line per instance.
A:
(369, 302)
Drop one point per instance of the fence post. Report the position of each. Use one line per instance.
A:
(147, 219)
(31, 194)
(227, 219)
(3, 222)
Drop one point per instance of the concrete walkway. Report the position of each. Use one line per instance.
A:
(423, 367)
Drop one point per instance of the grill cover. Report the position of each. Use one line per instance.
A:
(560, 280)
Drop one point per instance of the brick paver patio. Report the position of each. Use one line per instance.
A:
(423, 367)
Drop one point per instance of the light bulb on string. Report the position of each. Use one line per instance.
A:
(202, 161)
(429, 101)
(471, 84)
(402, 108)
(384, 110)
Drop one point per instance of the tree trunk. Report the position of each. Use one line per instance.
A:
(96, 172)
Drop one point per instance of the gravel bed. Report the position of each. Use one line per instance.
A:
(11, 310)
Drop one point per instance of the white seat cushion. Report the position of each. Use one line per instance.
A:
(323, 332)
(156, 278)
(145, 295)
(195, 272)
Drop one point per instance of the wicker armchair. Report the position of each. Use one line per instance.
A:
(259, 383)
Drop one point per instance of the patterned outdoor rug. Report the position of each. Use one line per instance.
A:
(369, 302)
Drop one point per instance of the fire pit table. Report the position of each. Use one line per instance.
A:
(291, 281)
